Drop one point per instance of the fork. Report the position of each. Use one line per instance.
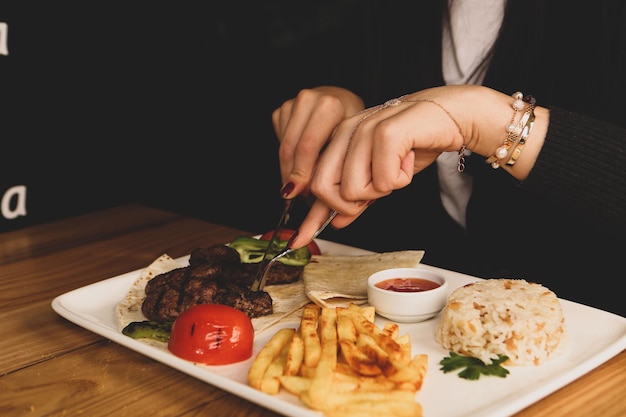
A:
(260, 284)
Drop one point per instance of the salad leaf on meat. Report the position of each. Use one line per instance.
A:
(251, 250)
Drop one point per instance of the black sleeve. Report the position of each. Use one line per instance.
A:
(582, 168)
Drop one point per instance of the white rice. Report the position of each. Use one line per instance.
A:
(511, 317)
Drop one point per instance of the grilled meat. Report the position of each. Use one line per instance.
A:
(214, 255)
(171, 293)
(278, 273)
(215, 275)
(229, 265)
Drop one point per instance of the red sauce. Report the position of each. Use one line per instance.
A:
(407, 284)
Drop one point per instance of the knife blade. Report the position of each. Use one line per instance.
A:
(257, 284)
(266, 264)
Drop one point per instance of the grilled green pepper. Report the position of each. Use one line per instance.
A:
(148, 330)
(251, 250)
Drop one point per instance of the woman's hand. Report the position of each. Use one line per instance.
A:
(373, 153)
(379, 150)
(304, 125)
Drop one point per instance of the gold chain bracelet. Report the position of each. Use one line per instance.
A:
(516, 133)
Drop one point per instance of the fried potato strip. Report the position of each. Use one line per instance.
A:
(340, 363)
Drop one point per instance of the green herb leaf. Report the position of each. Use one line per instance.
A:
(251, 250)
(473, 366)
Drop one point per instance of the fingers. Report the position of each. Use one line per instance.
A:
(304, 125)
(302, 145)
(327, 182)
(345, 178)
(317, 216)
(379, 159)
(373, 154)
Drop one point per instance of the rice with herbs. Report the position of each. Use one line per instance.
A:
(511, 317)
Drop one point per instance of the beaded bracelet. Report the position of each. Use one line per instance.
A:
(513, 131)
(528, 127)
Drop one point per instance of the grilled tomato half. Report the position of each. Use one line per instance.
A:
(212, 334)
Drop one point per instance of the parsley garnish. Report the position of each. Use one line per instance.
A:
(473, 366)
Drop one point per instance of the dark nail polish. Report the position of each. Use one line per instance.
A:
(287, 189)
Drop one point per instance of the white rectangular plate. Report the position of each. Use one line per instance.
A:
(594, 335)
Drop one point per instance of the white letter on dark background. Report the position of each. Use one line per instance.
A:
(19, 191)
(4, 34)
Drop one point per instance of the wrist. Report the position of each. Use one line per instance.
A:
(533, 146)
(508, 130)
(489, 120)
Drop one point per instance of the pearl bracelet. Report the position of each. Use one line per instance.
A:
(528, 127)
(515, 132)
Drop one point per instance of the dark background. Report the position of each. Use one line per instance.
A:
(169, 104)
(162, 103)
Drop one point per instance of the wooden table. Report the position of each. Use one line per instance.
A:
(51, 367)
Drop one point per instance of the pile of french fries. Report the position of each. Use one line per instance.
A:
(340, 363)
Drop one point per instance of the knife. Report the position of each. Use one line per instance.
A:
(257, 284)
(266, 264)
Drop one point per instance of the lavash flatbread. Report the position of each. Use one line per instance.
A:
(129, 309)
(332, 281)
(286, 298)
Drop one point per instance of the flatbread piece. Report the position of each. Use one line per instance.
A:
(332, 281)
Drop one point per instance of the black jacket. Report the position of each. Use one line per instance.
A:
(564, 226)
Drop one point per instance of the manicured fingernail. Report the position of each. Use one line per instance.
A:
(287, 189)
(369, 203)
(291, 239)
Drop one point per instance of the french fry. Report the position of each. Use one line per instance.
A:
(377, 354)
(328, 336)
(347, 336)
(295, 384)
(266, 355)
(270, 383)
(295, 356)
(369, 312)
(358, 360)
(340, 363)
(307, 372)
(310, 336)
(335, 399)
(376, 409)
(412, 379)
(391, 329)
(321, 383)
(342, 367)
(363, 383)
(344, 383)
(345, 327)
(405, 344)
(364, 326)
